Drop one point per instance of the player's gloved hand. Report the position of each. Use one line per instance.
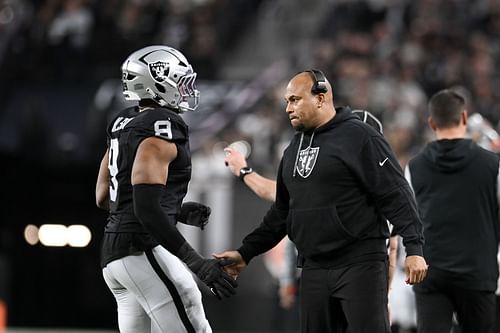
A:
(209, 271)
(195, 214)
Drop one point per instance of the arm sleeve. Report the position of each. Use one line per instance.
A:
(392, 193)
(148, 210)
(400, 209)
(273, 227)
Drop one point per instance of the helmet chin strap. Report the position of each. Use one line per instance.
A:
(181, 108)
(156, 98)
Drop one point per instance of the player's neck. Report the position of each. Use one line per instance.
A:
(147, 104)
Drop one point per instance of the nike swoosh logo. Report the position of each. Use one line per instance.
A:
(383, 162)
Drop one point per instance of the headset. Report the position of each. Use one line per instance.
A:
(319, 86)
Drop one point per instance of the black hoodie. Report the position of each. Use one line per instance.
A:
(336, 186)
(455, 184)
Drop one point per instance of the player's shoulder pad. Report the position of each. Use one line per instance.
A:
(164, 123)
(121, 117)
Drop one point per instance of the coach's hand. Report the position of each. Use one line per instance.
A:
(415, 269)
(237, 263)
(195, 214)
(210, 271)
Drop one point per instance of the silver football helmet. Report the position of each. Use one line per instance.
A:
(163, 74)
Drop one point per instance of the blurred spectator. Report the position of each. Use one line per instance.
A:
(390, 55)
(69, 35)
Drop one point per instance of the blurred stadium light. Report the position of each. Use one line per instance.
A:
(58, 235)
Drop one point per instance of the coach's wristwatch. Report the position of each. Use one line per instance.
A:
(245, 171)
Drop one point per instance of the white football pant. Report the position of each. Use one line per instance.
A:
(155, 292)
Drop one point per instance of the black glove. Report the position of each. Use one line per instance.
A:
(194, 213)
(209, 271)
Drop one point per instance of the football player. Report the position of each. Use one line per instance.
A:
(143, 178)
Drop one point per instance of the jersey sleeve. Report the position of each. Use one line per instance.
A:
(163, 124)
(117, 119)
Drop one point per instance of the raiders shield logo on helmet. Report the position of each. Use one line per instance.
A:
(158, 71)
(307, 160)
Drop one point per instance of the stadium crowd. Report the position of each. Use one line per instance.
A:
(385, 56)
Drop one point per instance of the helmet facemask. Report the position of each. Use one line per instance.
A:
(189, 94)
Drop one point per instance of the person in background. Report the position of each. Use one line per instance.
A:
(337, 185)
(456, 184)
(143, 178)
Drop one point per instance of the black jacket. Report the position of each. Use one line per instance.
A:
(336, 186)
(455, 183)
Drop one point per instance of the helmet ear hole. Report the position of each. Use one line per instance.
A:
(160, 88)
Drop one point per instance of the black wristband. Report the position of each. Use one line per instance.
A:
(245, 171)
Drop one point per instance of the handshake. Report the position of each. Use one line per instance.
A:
(212, 272)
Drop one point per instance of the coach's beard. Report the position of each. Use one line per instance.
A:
(302, 128)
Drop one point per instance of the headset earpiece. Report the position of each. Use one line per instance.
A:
(319, 85)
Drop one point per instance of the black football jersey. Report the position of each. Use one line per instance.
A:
(125, 133)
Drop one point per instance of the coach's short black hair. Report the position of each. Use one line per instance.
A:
(446, 107)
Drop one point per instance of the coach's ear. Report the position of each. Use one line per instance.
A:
(321, 100)
(465, 118)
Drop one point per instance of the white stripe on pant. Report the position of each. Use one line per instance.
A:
(145, 304)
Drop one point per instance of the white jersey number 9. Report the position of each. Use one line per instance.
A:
(113, 169)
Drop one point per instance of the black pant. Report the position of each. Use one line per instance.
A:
(349, 299)
(438, 298)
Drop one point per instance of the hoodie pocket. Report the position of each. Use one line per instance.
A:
(318, 231)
